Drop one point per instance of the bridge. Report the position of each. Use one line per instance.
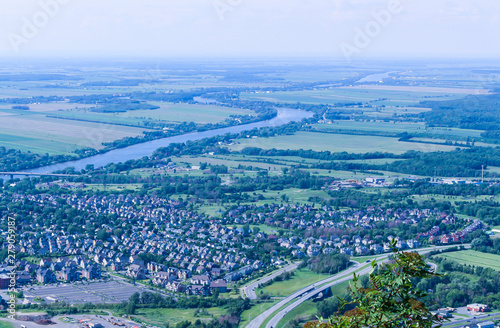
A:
(12, 174)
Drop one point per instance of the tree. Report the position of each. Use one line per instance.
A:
(391, 300)
(131, 307)
(102, 235)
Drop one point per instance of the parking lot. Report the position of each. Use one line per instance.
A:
(83, 292)
(78, 321)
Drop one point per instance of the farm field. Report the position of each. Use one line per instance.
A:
(229, 161)
(377, 126)
(354, 94)
(337, 143)
(39, 134)
(167, 113)
(475, 258)
(431, 90)
(32, 130)
(396, 127)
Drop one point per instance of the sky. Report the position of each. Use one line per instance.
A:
(336, 29)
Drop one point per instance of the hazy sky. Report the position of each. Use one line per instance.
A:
(264, 28)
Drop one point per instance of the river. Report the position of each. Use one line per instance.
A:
(375, 77)
(147, 148)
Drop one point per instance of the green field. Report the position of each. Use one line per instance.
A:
(395, 127)
(254, 311)
(475, 258)
(4, 324)
(378, 126)
(337, 143)
(40, 134)
(61, 127)
(301, 312)
(355, 94)
(299, 280)
(174, 316)
(167, 113)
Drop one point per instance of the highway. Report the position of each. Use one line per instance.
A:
(277, 318)
(481, 318)
(259, 320)
(310, 291)
(249, 290)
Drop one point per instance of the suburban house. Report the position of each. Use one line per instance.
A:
(68, 274)
(45, 276)
(92, 272)
(136, 271)
(220, 284)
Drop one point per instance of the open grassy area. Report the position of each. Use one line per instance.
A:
(475, 258)
(168, 112)
(254, 311)
(340, 289)
(40, 134)
(337, 143)
(301, 312)
(400, 97)
(4, 324)
(174, 316)
(374, 126)
(299, 280)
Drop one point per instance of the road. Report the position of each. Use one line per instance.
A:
(481, 318)
(249, 290)
(259, 320)
(277, 318)
(306, 292)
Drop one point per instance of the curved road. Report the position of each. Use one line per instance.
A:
(249, 290)
(259, 320)
(310, 290)
(277, 318)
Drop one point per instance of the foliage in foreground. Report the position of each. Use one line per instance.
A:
(390, 300)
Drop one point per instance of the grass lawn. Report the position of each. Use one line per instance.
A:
(337, 143)
(300, 279)
(263, 228)
(474, 258)
(340, 289)
(5, 324)
(254, 311)
(302, 311)
(174, 316)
